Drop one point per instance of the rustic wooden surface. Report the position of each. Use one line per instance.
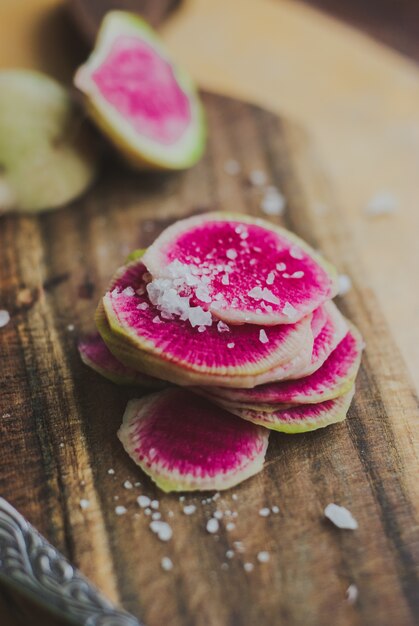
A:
(88, 14)
(58, 419)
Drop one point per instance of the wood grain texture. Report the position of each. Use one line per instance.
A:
(88, 14)
(58, 419)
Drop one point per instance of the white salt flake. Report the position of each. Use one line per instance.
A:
(235, 496)
(156, 515)
(296, 253)
(231, 345)
(248, 567)
(222, 327)
(154, 504)
(128, 484)
(111, 471)
(203, 294)
(128, 291)
(232, 167)
(257, 178)
(230, 554)
(230, 526)
(382, 203)
(218, 514)
(199, 317)
(264, 512)
(270, 279)
(281, 267)
(4, 318)
(352, 594)
(120, 510)
(143, 501)
(340, 517)
(257, 293)
(84, 504)
(273, 202)
(143, 306)
(345, 284)
(166, 564)
(70, 328)
(225, 279)
(212, 526)
(162, 530)
(275, 509)
(231, 254)
(263, 337)
(147, 511)
(290, 311)
(189, 509)
(263, 557)
(157, 320)
(202, 329)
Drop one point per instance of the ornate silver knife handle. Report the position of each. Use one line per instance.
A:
(32, 565)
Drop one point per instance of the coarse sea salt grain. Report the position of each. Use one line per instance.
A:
(231, 254)
(156, 515)
(162, 530)
(84, 504)
(143, 306)
(231, 345)
(382, 203)
(264, 512)
(275, 509)
(257, 293)
(270, 279)
(345, 284)
(128, 484)
(257, 178)
(189, 509)
(120, 510)
(154, 504)
(111, 471)
(222, 327)
(263, 337)
(128, 291)
(212, 526)
(248, 567)
(352, 594)
(230, 526)
(281, 267)
(273, 202)
(296, 253)
(4, 318)
(340, 517)
(166, 564)
(218, 514)
(232, 167)
(290, 311)
(143, 501)
(263, 557)
(230, 554)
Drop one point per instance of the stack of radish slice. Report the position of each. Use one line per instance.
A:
(240, 311)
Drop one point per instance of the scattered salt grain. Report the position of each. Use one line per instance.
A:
(225, 279)
(128, 484)
(156, 515)
(231, 254)
(270, 279)
(4, 318)
(248, 567)
(111, 471)
(142, 306)
(290, 311)
(70, 328)
(143, 501)
(230, 554)
(170, 514)
(345, 284)
(218, 514)
(84, 504)
(147, 511)
(239, 546)
(275, 509)
(128, 291)
(263, 337)
(157, 320)
(263, 294)
(382, 203)
(202, 329)
(340, 517)
(212, 526)
(231, 345)
(230, 526)
(352, 594)
(232, 167)
(166, 564)
(264, 512)
(222, 327)
(281, 267)
(257, 178)
(189, 509)
(154, 504)
(273, 202)
(162, 530)
(137, 484)
(263, 557)
(296, 253)
(120, 510)
(235, 496)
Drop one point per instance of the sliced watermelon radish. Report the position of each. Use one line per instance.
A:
(331, 380)
(144, 104)
(185, 443)
(95, 354)
(300, 418)
(246, 270)
(197, 349)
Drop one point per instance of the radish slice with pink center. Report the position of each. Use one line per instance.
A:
(331, 380)
(241, 262)
(300, 418)
(144, 104)
(238, 351)
(96, 355)
(185, 443)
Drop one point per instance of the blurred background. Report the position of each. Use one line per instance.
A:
(345, 70)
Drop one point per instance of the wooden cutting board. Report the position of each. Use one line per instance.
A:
(58, 419)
